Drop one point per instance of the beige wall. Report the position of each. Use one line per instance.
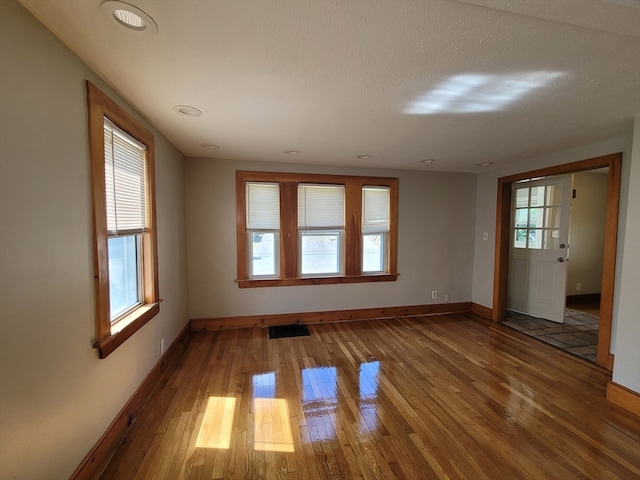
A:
(435, 248)
(626, 369)
(586, 233)
(56, 397)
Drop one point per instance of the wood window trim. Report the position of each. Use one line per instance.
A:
(107, 340)
(503, 231)
(289, 229)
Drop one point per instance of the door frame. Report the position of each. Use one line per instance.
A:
(503, 234)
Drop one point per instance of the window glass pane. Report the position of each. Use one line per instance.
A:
(535, 217)
(124, 291)
(554, 195)
(520, 238)
(373, 253)
(522, 197)
(521, 217)
(537, 196)
(263, 260)
(552, 217)
(551, 240)
(319, 252)
(535, 239)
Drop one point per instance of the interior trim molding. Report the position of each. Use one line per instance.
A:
(583, 299)
(248, 321)
(624, 397)
(503, 234)
(481, 310)
(610, 360)
(98, 457)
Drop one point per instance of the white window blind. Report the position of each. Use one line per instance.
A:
(320, 207)
(263, 206)
(375, 210)
(125, 182)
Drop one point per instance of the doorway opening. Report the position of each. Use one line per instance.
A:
(504, 236)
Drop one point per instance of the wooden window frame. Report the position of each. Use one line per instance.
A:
(288, 242)
(107, 337)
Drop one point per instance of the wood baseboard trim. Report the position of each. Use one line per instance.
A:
(610, 360)
(481, 310)
(624, 397)
(98, 457)
(248, 321)
(583, 299)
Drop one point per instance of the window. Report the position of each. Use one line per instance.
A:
(537, 217)
(375, 228)
(125, 247)
(321, 228)
(300, 229)
(263, 226)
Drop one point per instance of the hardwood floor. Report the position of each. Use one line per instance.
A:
(448, 396)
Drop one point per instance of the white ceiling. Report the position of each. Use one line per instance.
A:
(336, 78)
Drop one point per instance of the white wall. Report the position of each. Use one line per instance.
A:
(626, 369)
(435, 248)
(56, 397)
(586, 233)
(486, 201)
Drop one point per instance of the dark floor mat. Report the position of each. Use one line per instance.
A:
(284, 331)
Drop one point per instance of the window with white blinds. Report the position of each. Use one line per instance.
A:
(263, 225)
(320, 207)
(375, 228)
(375, 210)
(263, 206)
(125, 182)
(124, 221)
(312, 229)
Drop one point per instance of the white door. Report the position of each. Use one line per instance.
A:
(539, 247)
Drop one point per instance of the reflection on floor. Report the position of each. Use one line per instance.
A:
(577, 335)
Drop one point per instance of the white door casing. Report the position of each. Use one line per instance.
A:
(539, 247)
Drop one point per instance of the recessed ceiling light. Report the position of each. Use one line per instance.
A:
(484, 164)
(292, 152)
(364, 157)
(210, 146)
(428, 160)
(187, 110)
(129, 16)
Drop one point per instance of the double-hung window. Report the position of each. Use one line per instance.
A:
(125, 247)
(321, 229)
(375, 229)
(307, 229)
(263, 227)
(125, 189)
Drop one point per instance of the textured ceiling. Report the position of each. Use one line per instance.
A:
(463, 82)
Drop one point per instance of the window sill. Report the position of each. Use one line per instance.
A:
(126, 327)
(288, 282)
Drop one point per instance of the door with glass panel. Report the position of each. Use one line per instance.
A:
(539, 247)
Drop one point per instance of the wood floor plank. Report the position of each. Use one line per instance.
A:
(442, 397)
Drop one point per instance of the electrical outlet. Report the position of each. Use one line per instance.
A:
(434, 294)
(162, 346)
(446, 297)
(578, 286)
(485, 236)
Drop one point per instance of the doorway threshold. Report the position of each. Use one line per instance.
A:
(578, 335)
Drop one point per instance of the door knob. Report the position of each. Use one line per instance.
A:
(561, 259)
